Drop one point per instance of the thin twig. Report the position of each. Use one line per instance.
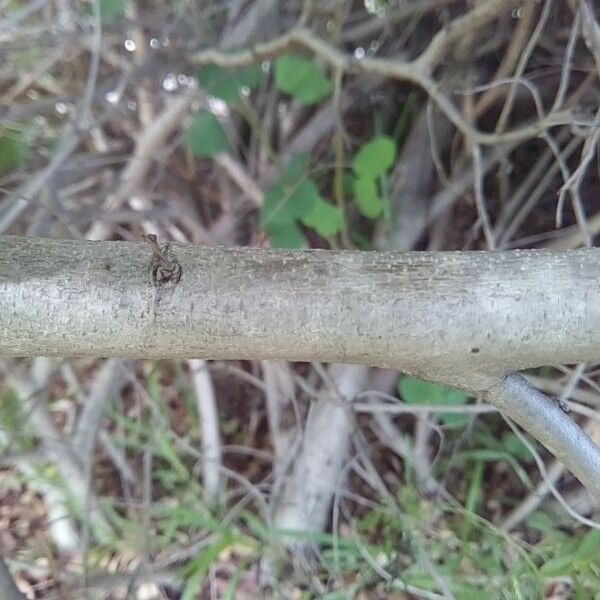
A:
(455, 31)
(96, 51)
(508, 103)
(511, 56)
(147, 147)
(554, 473)
(412, 72)
(567, 63)
(534, 196)
(540, 465)
(480, 200)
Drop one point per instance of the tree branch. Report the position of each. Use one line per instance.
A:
(543, 418)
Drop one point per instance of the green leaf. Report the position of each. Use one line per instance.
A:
(474, 493)
(250, 76)
(287, 235)
(542, 522)
(589, 548)
(296, 169)
(472, 501)
(174, 520)
(278, 222)
(325, 218)
(303, 198)
(111, 9)
(274, 208)
(11, 417)
(416, 391)
(206, 137)
(290, 197)
(295, 197)
(195, 571)
(375, 158)
(367, 198)
(14, 149)
(284, 203)
(227, 84)
(302, 79)
(558, 566)
(170, 480)
(515, 446)
(166, 451)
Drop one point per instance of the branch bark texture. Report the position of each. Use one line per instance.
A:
(463, 319)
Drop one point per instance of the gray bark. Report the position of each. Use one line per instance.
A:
(318, 471)
(463, 319)
(547, 422)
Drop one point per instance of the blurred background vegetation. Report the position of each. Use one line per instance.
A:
(120, 118)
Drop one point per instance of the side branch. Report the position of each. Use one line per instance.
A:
(543, 419)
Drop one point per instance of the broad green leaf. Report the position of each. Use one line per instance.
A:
(274, 209)
(206, 137)
(325, 218)
(301, 78)
(295, 198)
(250, 76)
(416, 391)
(296, 169)
(303, 198)
(278, 222)
(227, 84)
(287, 235)
(110, 10)
(367, 198)
(375, 158)
(292, 195)
(14, 148)
(454, 420)
(284, 203)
